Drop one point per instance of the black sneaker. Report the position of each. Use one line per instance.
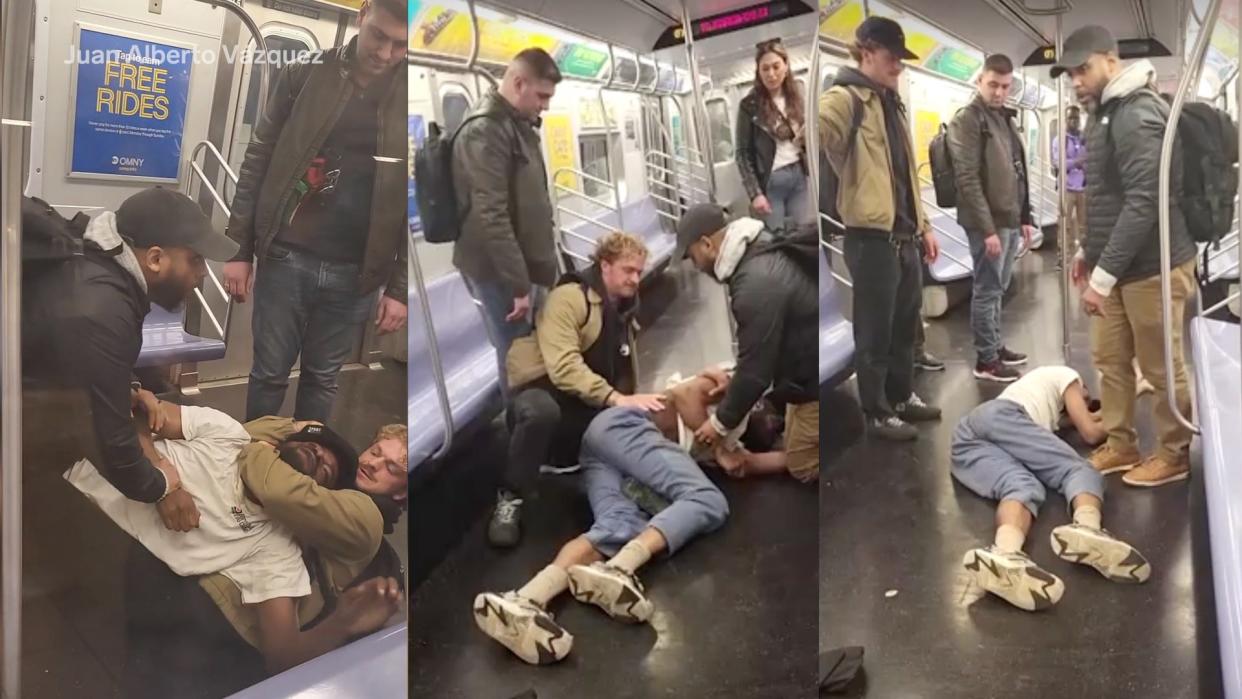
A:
(995, 371)
(505, 528)
(925, 362)
(915, 410)
(891, 428)
(1010, 358)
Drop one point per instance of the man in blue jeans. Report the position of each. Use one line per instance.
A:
(1007, 450)
(315, 207)
(598, 567)
(994, 207)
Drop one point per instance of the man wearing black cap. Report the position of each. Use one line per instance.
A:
(774, 299)
(82, 324)
(1118, 265)
(864, 132)
(248, 544)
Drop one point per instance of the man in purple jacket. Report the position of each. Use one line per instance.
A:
(1076, 179)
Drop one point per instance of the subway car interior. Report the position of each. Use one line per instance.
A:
(894, 524)
(78, 591)
(629, 142)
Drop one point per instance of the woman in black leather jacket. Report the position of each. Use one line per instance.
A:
(771, 147)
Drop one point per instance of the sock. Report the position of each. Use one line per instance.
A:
(1088, 516)
(547, 583)
(1009, 538)
(631, 556)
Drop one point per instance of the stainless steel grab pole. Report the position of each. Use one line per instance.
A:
(811, 138)
(18, 16)
(1062, 231)
(702, 130)
(259, 43)
(1166, 180)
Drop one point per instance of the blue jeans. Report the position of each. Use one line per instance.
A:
(625, 442)
(992, 277)
(786, 192)
(302, 305)
(496, 303)
(1000, 453)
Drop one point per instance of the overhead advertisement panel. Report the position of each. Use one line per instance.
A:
(937, 51)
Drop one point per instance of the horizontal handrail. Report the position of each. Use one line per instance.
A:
(588, 219)
(835, 275)
(678, 204)
(588, 197)
(575, 255)
(1227, 300)
(579, 236)
(581, 174)
(1221, 273)
(205, 183)
(673, 188)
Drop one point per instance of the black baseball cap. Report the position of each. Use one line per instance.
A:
(886, 33)
(699, 221)
(169, 219)
(1081, 45)
(346, 456)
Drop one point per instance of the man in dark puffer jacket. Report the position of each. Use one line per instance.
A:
(774, 299)
(1118, 265)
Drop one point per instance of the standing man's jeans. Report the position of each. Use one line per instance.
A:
(787, 193)
(999, 453)
(496, 303)
(625, 442)
(1076, 217)
(888, 297)
(302, 305)
(992, 277)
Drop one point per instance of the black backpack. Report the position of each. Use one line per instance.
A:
(1209, 178)
(944, 178)
(49, 239)
(829, 180)
(434, 192)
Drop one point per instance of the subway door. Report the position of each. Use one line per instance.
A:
(233, 121)
(722, 106)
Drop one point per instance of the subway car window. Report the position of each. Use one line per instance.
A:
(455, 106)
(213, 329)
(721, 129)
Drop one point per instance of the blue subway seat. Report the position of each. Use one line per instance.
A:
(836, 334)
(641, 218)
(373, 666)
(944, 269)
(471, 373)
(165, 341)
(1219, 390)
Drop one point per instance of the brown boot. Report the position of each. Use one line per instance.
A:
(1107, 460)
(1158, 470)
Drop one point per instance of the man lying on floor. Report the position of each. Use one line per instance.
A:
(260, 506)
(598, 567)
(1006, 449)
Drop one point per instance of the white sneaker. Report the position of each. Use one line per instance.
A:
(613, 590)
(1014, 578)
(522, 626)
(1114, 558)
(560, 470)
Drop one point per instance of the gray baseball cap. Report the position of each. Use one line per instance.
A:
(170, 219)
(699, 221)
(1081, 45)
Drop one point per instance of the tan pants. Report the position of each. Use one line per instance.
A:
(1131, 328)
(1076, 215)
(802, 441)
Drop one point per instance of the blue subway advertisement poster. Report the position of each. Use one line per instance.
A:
(416, 141)
(129, 106)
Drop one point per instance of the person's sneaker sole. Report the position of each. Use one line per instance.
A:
(929, 367)
(892, 435)
(1119, 467)
(531, 637)
(1152, 484)
(1114, 559)
(560, 470)
(985, 376)
(1024, 587)
(1014, 362)
(592, 586)
(910, 417)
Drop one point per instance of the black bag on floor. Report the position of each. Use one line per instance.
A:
(838, 668)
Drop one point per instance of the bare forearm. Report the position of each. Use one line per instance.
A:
(302, 646)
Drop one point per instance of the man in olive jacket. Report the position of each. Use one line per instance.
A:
(1118, 266)
(507, 249)
(315, 205)
(994, 207)
(774, 299)
(863, 131)
(580, 359)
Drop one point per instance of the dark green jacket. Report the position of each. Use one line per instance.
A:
(304, 103)
(989, 194)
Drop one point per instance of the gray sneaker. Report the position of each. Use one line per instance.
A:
(891, 428)
(504, 530)
(915, 410)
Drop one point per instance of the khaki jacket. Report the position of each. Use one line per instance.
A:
(566, 327)
(865, 194)
(343, 527)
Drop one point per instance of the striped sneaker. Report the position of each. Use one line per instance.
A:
(1014, 578)
(613, 590)
(1114, 558)
(522, 626)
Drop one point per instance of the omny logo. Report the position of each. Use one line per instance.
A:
(125, 163)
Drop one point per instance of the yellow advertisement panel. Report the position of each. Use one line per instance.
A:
(445, 31)
(558, 137)
(839, 19)
(926, 124)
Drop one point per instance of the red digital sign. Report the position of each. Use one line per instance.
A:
(732, 21)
